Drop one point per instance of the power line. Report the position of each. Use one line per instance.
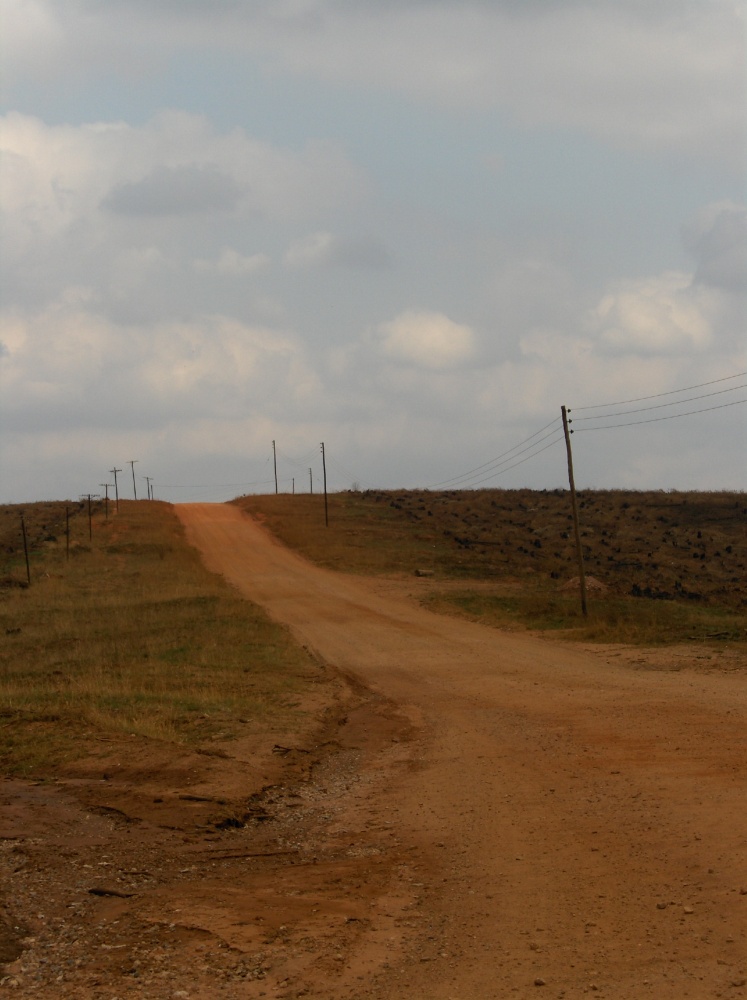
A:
(508, 468)
(494, 469)
(498, 471)
(496, 460)
(337, 466)
(659, 406)
(302, 462)
(658, 395)
(653, 420)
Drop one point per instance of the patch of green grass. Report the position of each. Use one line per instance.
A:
(610, 618)
(135, 636)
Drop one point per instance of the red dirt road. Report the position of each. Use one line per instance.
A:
(556, 823)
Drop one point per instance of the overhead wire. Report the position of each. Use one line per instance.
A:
(500, 472)
(497, 459)
(547, 437)
(659, 406)
(303, 461)
(658, 395)
(338, 467)
(654, 420)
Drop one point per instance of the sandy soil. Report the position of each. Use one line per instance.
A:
(477, 815)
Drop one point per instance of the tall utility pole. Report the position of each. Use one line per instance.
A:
(116, 488)
(90, 518)
(147, 482)
(275, 464)
(134, 487)
(311, 483)
(574, 507)
(106, 499)
(26, 550)
(324, 472)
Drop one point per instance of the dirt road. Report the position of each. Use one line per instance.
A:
(574, 826)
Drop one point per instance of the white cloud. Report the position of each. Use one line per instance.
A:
(232, 262)
(34, 35)
(214, 360)
(717, 238)
(128, 209)
(654, 316)
(181, 190)
(309, 251)
(530, 294)
(664, 76)
(323, 249)
(57, 176)
(427, 339)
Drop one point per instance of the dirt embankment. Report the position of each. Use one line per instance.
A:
(481, 815)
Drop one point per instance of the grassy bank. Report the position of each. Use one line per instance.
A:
(130, 634)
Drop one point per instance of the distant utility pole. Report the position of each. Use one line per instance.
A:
(90, 517)
(147, 482)
(26, 550)
(132, 464)
(116, 488)
(275, 464)
(574, 507)
(311, 483)
(324, 472)
(106, 499)
(293, 485)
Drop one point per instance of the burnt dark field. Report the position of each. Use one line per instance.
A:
(662, 567)
(655, 545)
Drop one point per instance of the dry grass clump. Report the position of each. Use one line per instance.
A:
(674, 565)
(133, 635)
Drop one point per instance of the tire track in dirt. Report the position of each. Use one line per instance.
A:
(568, 823)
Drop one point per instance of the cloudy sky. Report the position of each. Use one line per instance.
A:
(411, 229)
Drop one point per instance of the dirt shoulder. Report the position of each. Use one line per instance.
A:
(477, 814)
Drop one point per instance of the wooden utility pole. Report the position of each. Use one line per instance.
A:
(26, 550)
(106, 499)
(293, 486)
(324, 473)
(147, 483)
(116, 488)
(311, 483)
(275, 465)
(134, 487)
(574, 507)
(90, 518)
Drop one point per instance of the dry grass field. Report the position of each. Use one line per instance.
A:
(664, 567)
(129, 636)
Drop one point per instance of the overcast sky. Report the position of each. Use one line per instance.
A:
(411, 229)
